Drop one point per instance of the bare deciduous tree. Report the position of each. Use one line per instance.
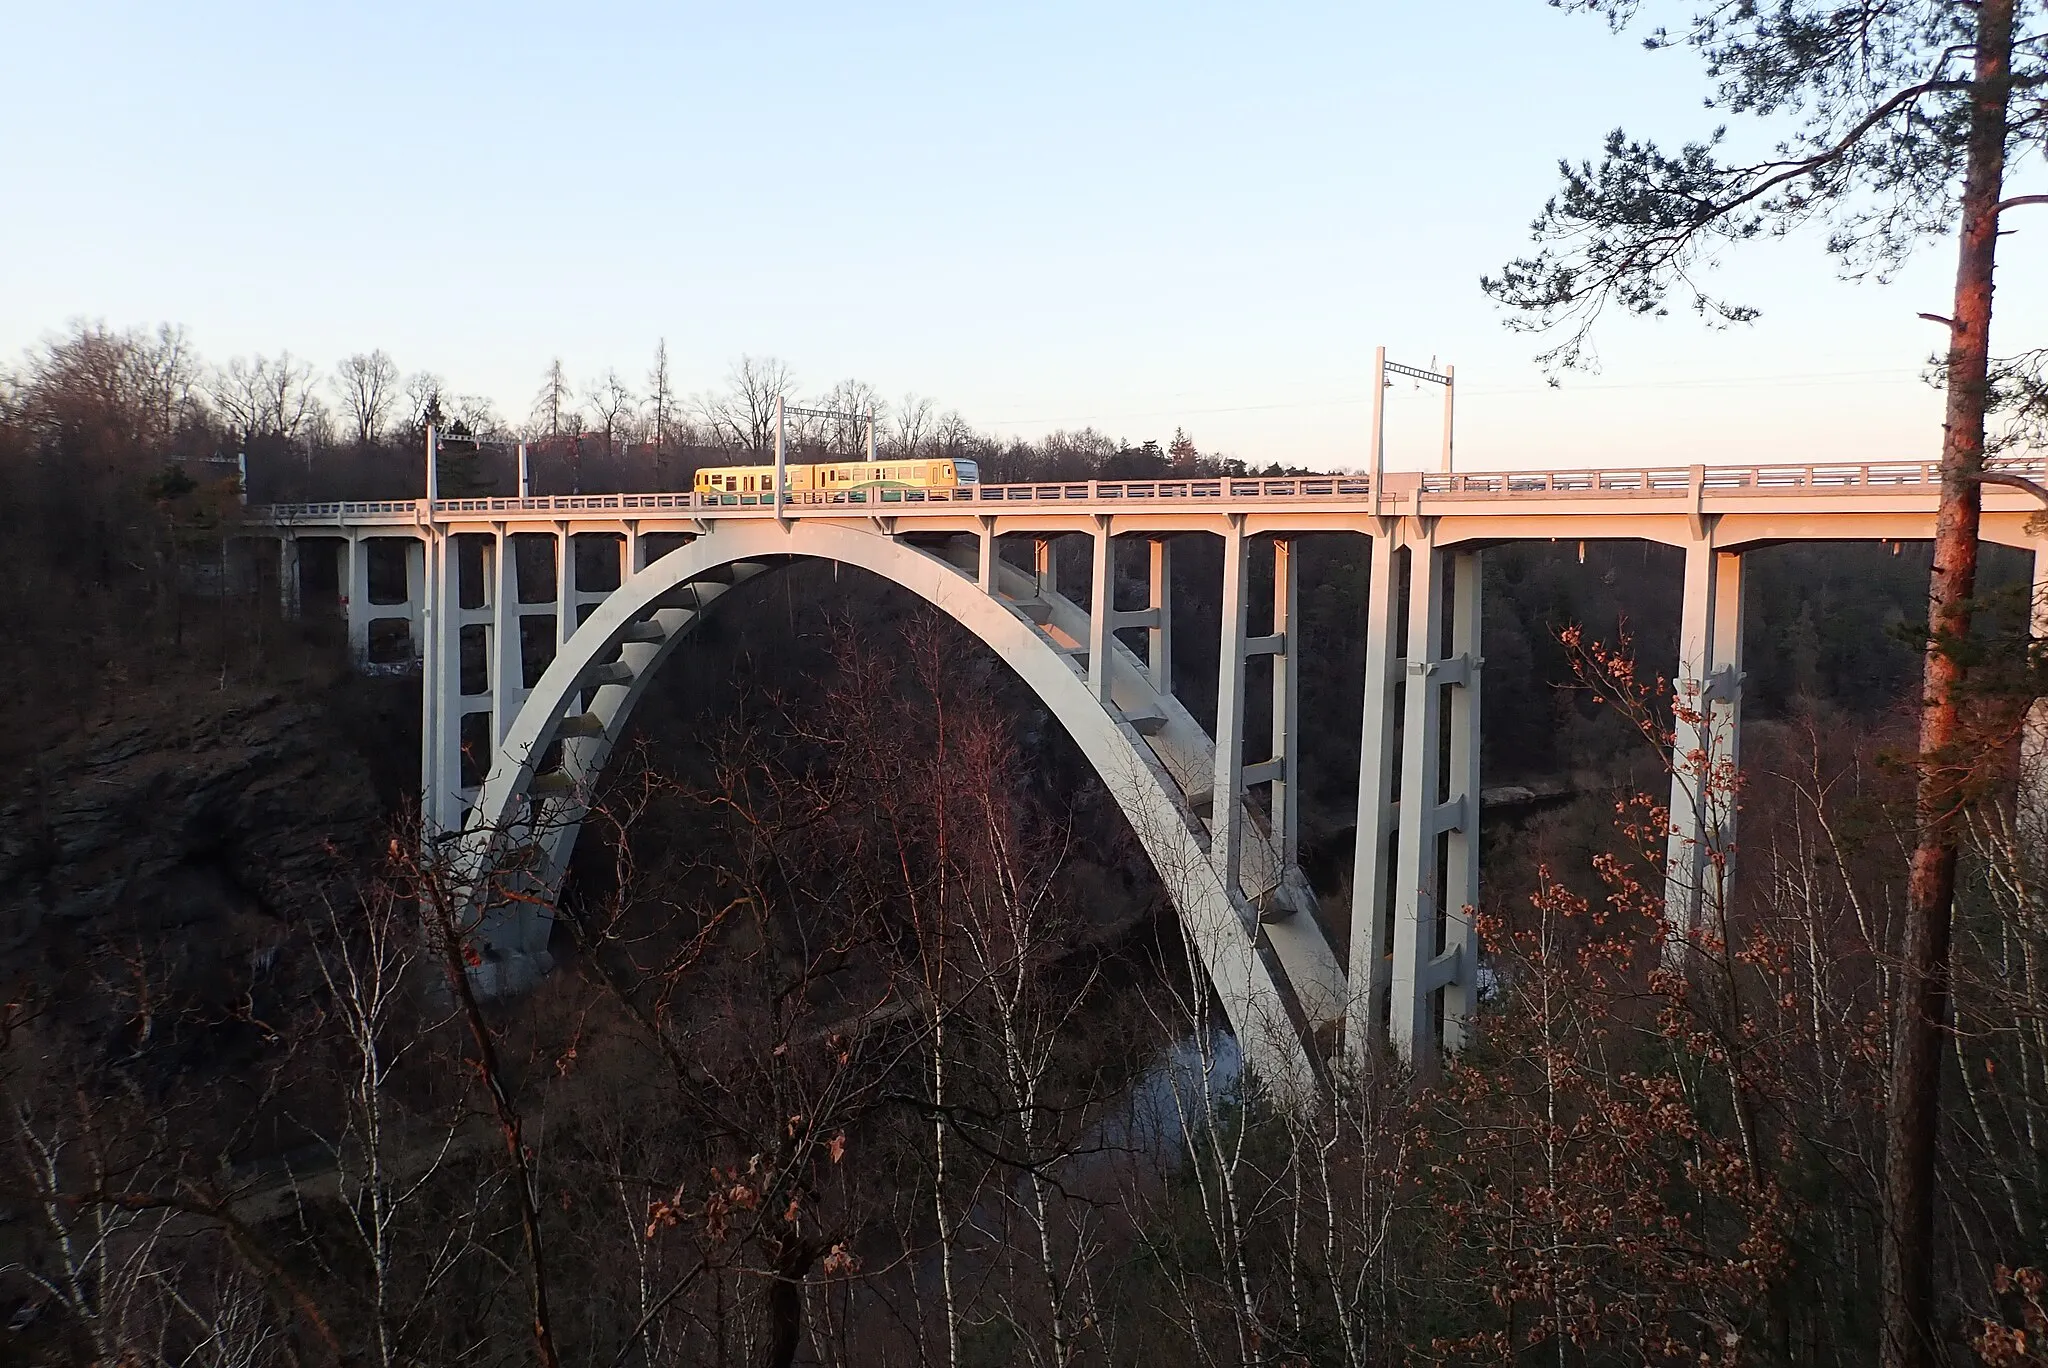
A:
(911, 427)
(422, 399)
(269, 398)
(743, 416)
(855, 404)
(612, 403)
(367, 384)
(477, 413)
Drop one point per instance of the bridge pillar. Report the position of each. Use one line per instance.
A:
(1226, 841)
(416, 590)
(1159, 602)
(565, 585)
(1435, 962)
(1101, 611)
(1283, 770)
(1286, 893)
(441, 689)
(355, 595)
(1461, 842)
(507, 670)
(1706, 702)
(985, 564)
(1372, 860)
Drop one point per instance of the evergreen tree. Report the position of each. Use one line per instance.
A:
(1897, 120)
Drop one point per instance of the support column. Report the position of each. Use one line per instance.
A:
(1102, 588)
(566, 608)
(1706, 700)
(1285, 800)
(1438, 848)
(1411, 1022)
(1372, 861)
(1046, 566)
(1159, 637)
(417, 581)
(508, 669)
(288, 576)
(1461, 863)
(985, 568)
(355, 596)
(441, 689)
(1226, 842)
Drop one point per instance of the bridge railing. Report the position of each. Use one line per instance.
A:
(1675, 480)
(1619, 484)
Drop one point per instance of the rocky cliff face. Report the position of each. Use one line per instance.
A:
(170, 855)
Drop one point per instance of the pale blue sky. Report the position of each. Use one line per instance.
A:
(1134, 215)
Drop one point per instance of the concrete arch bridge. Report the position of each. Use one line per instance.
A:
(632, 574)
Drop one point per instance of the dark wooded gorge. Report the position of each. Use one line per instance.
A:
(874, 1039)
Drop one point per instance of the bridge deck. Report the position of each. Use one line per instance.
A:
(1780, 488)
(1880, 500)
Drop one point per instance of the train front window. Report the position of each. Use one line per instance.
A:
(967, 472)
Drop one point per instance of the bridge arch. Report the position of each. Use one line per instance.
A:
(617, 651)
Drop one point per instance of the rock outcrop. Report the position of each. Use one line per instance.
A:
(182, 848)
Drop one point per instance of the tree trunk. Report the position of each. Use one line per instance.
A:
(1920, 1013)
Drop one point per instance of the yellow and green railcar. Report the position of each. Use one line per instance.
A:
(834, 482)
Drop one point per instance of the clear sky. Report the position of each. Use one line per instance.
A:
(1130, 215)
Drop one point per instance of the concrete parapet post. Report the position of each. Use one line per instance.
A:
(1372, 861)
(1705, 749)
